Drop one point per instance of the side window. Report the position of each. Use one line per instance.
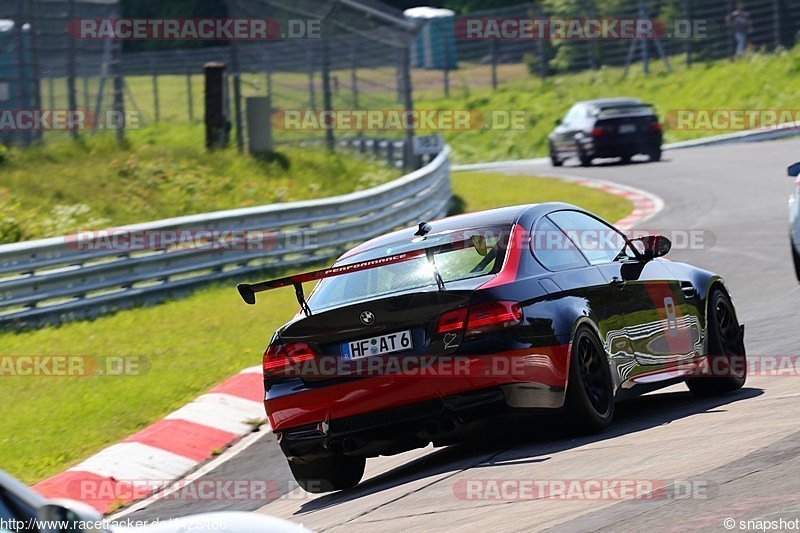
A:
(553, 249)
(599, 242)
(574, 115)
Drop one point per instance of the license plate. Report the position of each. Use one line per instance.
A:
(627, 128)
(383, 344)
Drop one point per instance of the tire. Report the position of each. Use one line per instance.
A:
(796, 259)
(585, 160)
(337, 472)
(726, 351)
(554, 160)
(589, 405)
(655, 155)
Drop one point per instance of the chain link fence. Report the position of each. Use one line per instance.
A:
(346, 55)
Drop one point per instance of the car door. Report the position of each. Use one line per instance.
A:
(574, 276)
(662, 327)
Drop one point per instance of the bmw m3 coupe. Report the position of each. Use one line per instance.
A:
(428, 333)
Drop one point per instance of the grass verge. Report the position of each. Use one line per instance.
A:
(182, 349)
(762, 82)
(164, 171)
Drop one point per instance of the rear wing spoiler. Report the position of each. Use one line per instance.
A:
(248, 291)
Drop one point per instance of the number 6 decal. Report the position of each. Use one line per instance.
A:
(672, 319)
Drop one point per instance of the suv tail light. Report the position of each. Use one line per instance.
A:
(655, 127)
(481, 318)
(597, 132)
(278, 358)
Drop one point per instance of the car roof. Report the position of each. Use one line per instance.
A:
(492, 217)
(601, 102)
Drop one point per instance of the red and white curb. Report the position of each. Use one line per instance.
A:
(645, 205)
(167, 450)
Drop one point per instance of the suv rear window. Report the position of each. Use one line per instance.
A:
(459, 255)
(624, 110)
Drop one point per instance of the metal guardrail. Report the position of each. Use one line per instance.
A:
(59, 279)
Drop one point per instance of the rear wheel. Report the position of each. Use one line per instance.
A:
(726, 353)
(590, 392)
(796, 258)
(655, 154)
(337, 472)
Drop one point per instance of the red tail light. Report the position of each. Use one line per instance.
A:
(453, 321)
(597, 132)
(655, 127)
(278, 358)
(481, 318)
(493, 315)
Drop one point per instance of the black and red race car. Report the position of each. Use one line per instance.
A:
(426, 334)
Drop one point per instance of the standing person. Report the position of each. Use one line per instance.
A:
(739, 22)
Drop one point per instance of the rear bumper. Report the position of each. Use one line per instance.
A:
(530, 379)
(615, 145)
(397, 429)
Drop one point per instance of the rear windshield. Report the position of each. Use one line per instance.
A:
(457, 256)
(627, 110)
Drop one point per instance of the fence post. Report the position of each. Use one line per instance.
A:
(645, 51)
(776, 18)
(119, 88)
(189, 93)
(445, 66)
(268, 75)
(51, 92)
(731, 51)
(493, 53)
(687, 14)
(353, 77)
(326, 96)
(156, 109)
(310, 60)
(237, 94)
(214, 74)
(22, 98)
(408, 105)
(71, 97)
(540, 44)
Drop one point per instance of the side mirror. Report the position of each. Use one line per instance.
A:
(67, 515)
(558, 122)
(794, 170)
(652, 246)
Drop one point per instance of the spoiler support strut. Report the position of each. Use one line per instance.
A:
(301, 298)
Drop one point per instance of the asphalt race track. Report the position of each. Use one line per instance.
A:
(739, 454)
